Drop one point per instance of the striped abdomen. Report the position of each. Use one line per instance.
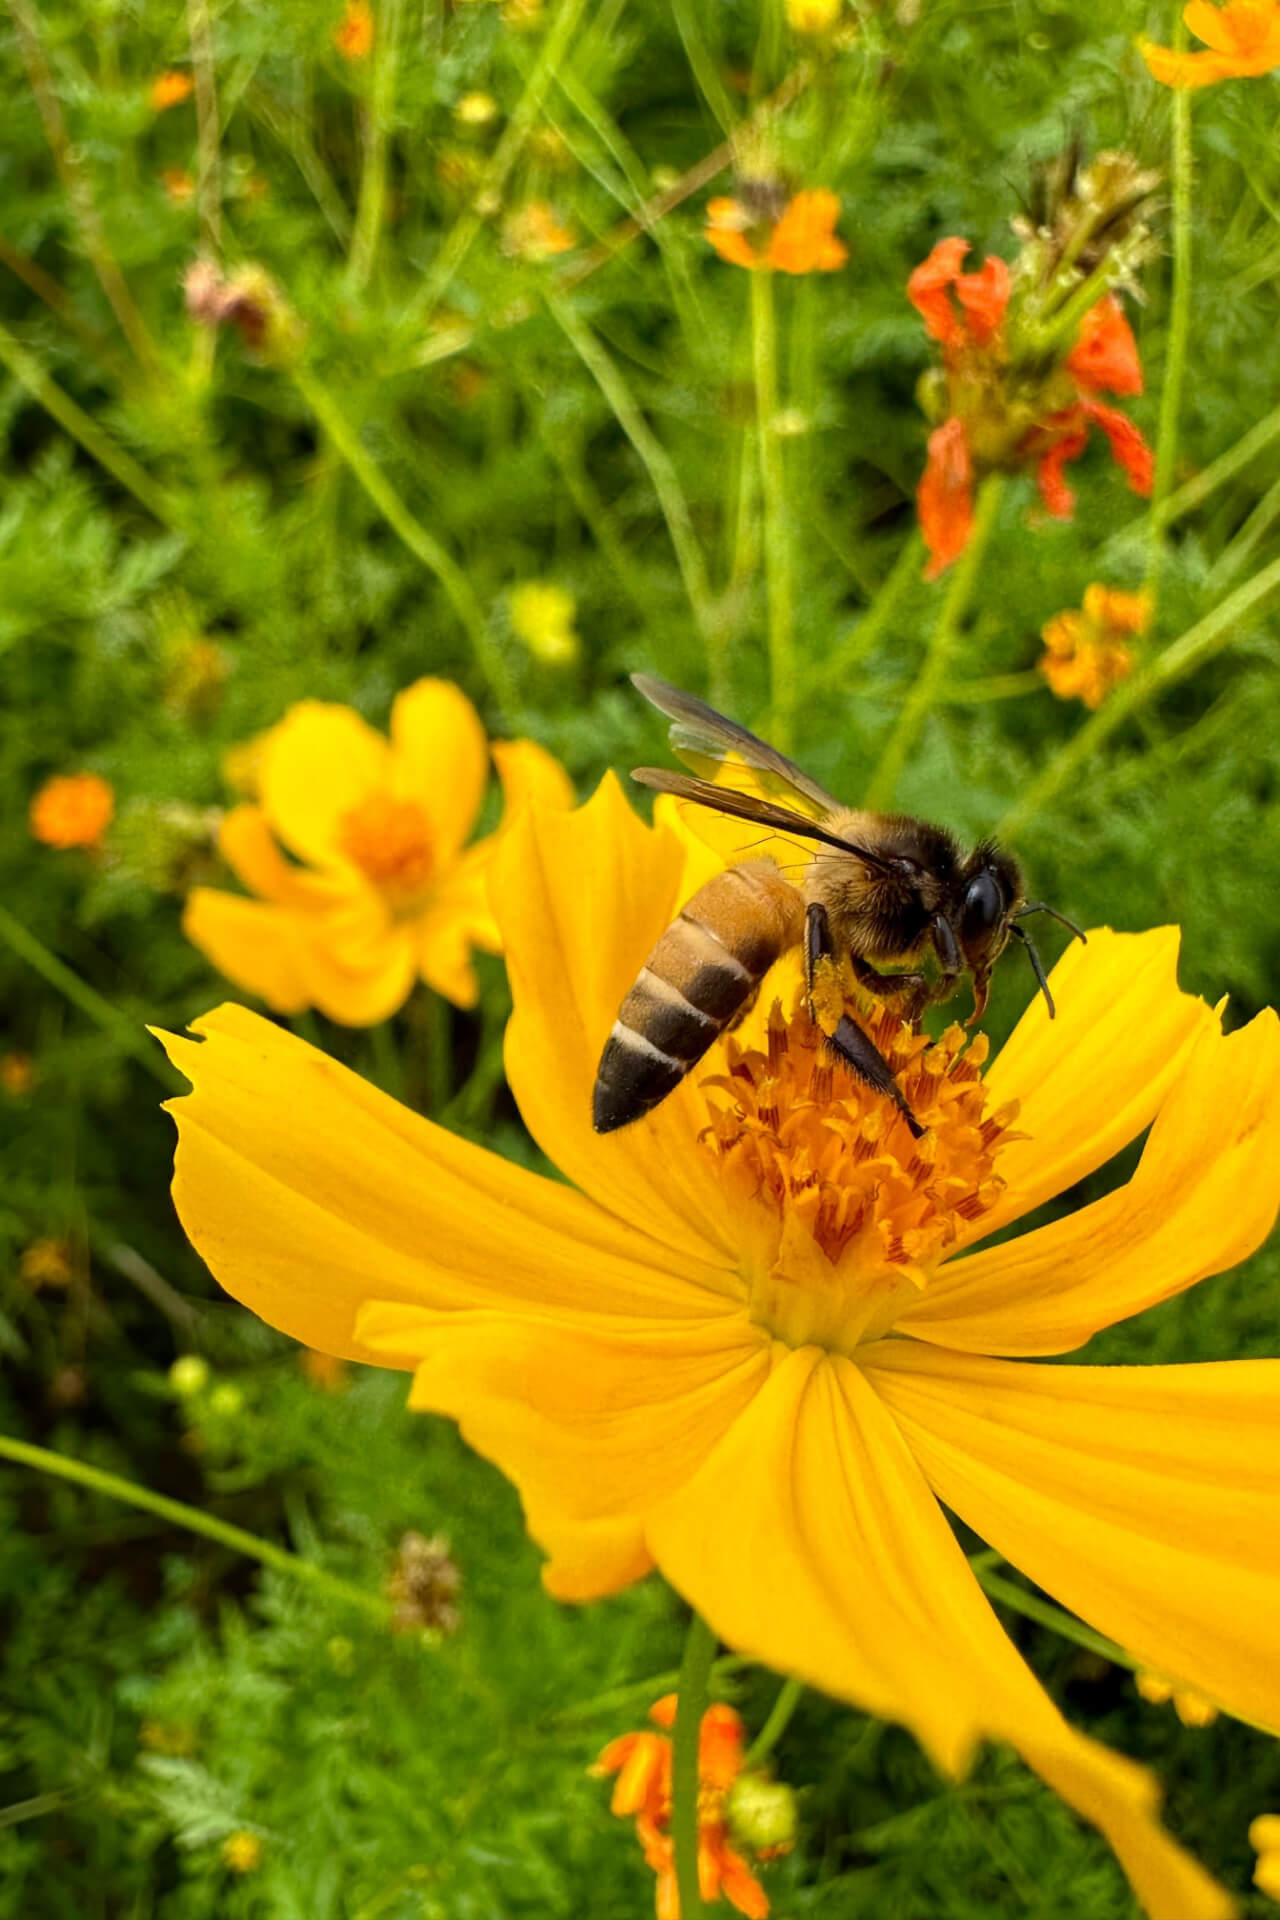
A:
(701, 976)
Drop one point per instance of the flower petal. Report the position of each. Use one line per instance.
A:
(356, 969)
(441, 759)
(1146, 1499)
(318, 764)
(593, 1427)
(530, 777)
(810, 1541)
(254, 945)
(1186, 70)
(1213, 24)
(580, 899)
(1203, 1198)
(250, 849)
(308, 1193)
(458, 918)
(1090, 1080)
(944, 498)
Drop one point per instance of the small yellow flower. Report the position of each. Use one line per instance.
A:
(542, 616)
(189, 1375)
(1264, 1838)
(242, 1852)
(48, 1263)
(18, 1075)
(353, 35)
(389, 892)
(1087, 649)
(175, 1738)
(179, 184)
(813, 16)
(72, 810)
(1192, 1708)
(476, 109)
(764, 1336)
(170, 89)
(533, 232)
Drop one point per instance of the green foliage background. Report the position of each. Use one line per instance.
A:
(551, 422)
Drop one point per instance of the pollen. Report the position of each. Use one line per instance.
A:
(390, 841)
(845, 1214)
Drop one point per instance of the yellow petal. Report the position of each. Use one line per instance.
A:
(318, 764)
(251, 851)
(359, 980)
(530, 777)
(1186, 70)
(1089, 1081)
(256, 946)
(580, 899)
(1210, 23)
(308, 1193)
(1147, 1499)
(593, 1427)
(1204, 1197)
(441, 759)
(810, 1541)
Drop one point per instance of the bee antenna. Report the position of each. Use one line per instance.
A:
(1039, 906)
(1037, 965)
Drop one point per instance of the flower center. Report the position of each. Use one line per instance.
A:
(390, 841)
(845, 1215)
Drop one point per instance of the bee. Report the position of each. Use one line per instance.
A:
(880, 889)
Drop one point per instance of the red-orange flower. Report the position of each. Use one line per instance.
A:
(170, 89)
(800, 238)
(353, 36)
(1000, 411)
(1243, 40)
(642, 1762)
(72, 810)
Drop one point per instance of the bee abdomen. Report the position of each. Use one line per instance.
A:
(700, 976)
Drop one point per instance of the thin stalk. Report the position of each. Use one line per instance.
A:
(776, 509)
(423, 545)
(1045, 1614)
(377, 125)
(46, 288)
(97, 1480)
(208, 180)
(877, 619)
(695, 1673)
(657, 464)
(1235, 556)
(76, 186)
(688, 18)
(89, 1001)
(1179, 322)
(85, 430)
(294, 135)
(789, 1697)
(1198, 644)
(459, 241)
(1194, 492)
(937, 659)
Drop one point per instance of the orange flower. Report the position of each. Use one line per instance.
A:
(798, 238)
(642, 1762)
(353, 36)
(1243, 38)
(170, 89)
(1000, 417)
(72, 810)
(1087, 652)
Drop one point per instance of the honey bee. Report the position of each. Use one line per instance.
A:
(878, 889)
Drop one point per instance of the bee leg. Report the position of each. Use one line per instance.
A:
(886, 985)
(860, 1053)
(818, 945)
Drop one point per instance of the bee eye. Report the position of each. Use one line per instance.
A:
(983, 906)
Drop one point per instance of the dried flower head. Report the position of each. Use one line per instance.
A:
(423, 1586)
(72, 810)
(250, 301)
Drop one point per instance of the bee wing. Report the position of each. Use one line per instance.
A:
(748, 806)
(725, 756)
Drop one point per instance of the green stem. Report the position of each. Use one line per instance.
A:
(73, 420)
(1198, 644)
(1179, 324)
(180, 1515)
(789, 1697)
(877, 619)
(1235, 556)
(937, 659)
(695, 1672)
(373, 173)
(423, 545)
(90, 1002)
(459, 241)
(688, 19)
(208, 185)
(777, 531)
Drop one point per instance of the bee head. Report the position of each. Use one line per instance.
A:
(989, 892)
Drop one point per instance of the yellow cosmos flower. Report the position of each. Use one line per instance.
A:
(1243, 39)
(389, 892)
(760, 1344)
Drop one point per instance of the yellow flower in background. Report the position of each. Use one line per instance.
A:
(48, 1263)
(1243, 38)
(476, 109)
(242, 1852)
(759, 1347)
(533, 232)
(389, 893)
(18, 1075)
(1192, 1708)
(542, 616)
(72, 810)
(813, 16)
(353, 36)
(179, 184)
(170, 89)
(1087, 650)
(1264, 1838)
